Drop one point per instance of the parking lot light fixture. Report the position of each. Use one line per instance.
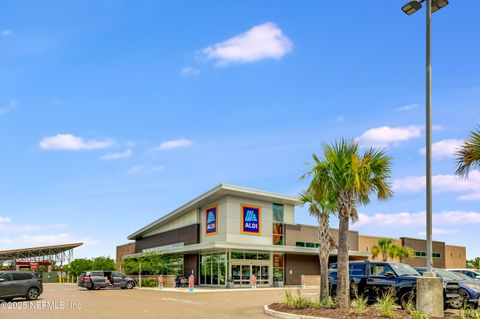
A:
(412, 7)
(438, 4)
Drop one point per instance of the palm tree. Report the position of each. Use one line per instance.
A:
(351, 177)
(386, 248)
(468, 156)
(321, 208)
(404, 253)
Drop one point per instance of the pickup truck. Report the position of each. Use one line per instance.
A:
(372, 278)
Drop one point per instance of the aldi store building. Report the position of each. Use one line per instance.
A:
(230, 233)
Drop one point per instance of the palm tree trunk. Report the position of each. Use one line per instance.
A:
(343, 278)
(384, 255)
(324, 253)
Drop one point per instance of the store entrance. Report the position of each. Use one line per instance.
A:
(242, 275)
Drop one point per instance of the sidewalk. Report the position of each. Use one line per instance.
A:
(212, 289)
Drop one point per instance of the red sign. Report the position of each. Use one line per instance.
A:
(31, 263)
(34, 267)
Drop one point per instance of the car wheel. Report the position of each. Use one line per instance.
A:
(461, 301)
(95, 287)
(405, 298)
(130, 285)
(32, 294)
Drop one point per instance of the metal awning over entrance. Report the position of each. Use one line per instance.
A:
(221, 246)
(58, 254)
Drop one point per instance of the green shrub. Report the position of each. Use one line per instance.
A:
(149, 283)
(359, 305)
(415, 314)
(469, 313)
(329, 303)
(386, 304)
(298, 301)
(289, 299)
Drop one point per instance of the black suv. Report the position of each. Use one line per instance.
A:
(23, 284)
(97, 279)
(372, 279)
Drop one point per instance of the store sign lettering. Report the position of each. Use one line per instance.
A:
(250, 220)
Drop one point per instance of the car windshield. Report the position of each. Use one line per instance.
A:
(460, 275)
(447, 275)
(404, 269)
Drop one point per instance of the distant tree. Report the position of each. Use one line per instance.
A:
(152, 263)
(384, 247)
(474, 263)
(468, 156)
(404, 253)
(103, 263)
(77, 266)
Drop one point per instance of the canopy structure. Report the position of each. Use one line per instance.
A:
(57, 254)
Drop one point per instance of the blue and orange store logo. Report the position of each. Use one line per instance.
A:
(211, 220)
(250, 219)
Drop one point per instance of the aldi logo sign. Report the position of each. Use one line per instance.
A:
(211, 222)
(250, 220)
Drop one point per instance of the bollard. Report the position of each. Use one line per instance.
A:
(254, 282)
(191, 283)
(160, 282)
(302, 282)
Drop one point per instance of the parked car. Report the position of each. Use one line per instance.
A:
(469, 289)
(472, 273)
(372, 279)
(24, 284)
(97, 279)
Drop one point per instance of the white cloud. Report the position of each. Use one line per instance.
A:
(444, 149)
(137, 169)
(73, 143)
(168, 145)
(407, 107)
(442, 184)
(408, 219)
(119, 155)
(5, 219)
(440, 231)
(10, 106)
(386, 135)
(10, 227)
(6, 33)
(264, 41)
(189, 71)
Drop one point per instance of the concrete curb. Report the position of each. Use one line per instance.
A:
(286, 315)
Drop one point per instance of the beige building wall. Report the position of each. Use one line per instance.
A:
(455, 256)
(222, 222)
(234, 224)
(366, 242)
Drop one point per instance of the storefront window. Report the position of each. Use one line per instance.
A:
(278, 213)
(278, 267)
(278, 234)
(213, 268)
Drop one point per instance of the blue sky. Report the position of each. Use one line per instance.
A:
(113, 113)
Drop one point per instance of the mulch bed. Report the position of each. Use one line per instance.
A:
(336, 313)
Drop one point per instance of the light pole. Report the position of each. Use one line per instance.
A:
(429, 288)
(410, 8)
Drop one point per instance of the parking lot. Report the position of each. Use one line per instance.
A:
(69, 301)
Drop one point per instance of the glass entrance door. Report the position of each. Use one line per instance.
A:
(237, 275)
(246, 273)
